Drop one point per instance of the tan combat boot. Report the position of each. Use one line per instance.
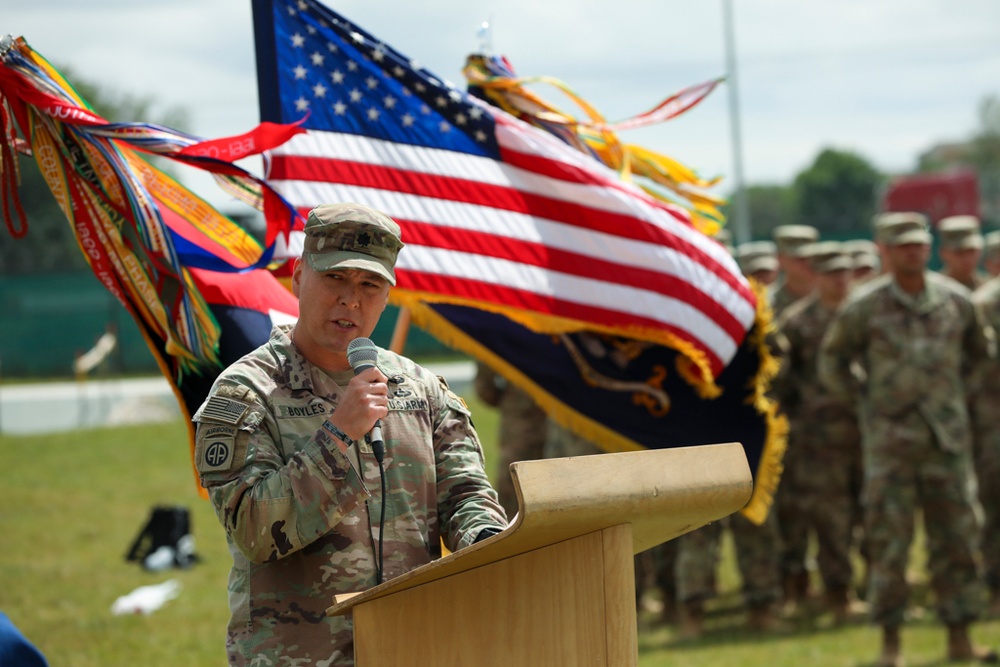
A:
(961, 648)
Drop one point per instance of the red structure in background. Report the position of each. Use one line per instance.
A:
(937, 195)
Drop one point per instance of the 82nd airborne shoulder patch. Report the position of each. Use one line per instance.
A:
(216, 444)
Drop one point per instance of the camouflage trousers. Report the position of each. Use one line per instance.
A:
(820, 492)
(988, 471)
(757, 555)
(522, 439)
(792, 520)
(697, 561)
(905, 471)
(758, 550)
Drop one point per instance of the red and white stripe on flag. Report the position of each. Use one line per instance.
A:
(544, 230)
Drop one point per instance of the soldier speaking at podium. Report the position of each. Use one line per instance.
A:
(313, 502)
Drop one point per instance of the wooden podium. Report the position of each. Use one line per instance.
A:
(557, 586)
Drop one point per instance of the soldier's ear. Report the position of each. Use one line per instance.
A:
(297, 276)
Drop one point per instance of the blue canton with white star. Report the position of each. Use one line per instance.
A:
(348, 81)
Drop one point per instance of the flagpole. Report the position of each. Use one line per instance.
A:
(742, 228)
(401, 331)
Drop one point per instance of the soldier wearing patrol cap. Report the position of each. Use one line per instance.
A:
(884, 224)
(821, 481)
(283, 450)
(906, 346)
(757, 549)
(796, 277)
(986, 446)
(724, 237)
(864, 254)
(961, 246)
(758, 260)
(991, 253)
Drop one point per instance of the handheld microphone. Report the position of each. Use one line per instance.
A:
(361, 355)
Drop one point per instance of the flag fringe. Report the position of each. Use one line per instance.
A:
(770, 467)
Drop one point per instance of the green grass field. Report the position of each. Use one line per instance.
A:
(73, 502)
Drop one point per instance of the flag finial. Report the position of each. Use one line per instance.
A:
(485, 35)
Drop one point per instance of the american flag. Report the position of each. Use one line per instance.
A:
(494, 213)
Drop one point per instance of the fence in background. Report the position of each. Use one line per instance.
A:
(49, 319)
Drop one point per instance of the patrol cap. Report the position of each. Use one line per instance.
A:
(863, 253)
(352, 236)
(757, 256)
(828, 257)
(991, 244)
(960, 232)
(790, 237)
(857, 247)
(866, 260)
(806, 251)
(901, 228)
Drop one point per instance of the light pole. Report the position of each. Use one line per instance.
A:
(742, 229)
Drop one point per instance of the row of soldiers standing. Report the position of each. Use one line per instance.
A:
(891, 388)
(846, 482)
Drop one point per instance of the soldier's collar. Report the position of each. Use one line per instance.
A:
(298, 370)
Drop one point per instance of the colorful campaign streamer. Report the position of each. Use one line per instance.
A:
(163, 252)
(493, 78)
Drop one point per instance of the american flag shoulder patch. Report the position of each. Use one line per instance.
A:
(226, 410)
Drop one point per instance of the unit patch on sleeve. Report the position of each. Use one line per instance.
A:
(225, 410)
(215, 447)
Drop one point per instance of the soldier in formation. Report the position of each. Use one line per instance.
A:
(797, 279)
(986, 446)
(905, 346)
(523, 427)
(960, 248)
(991, 253)
(758, 260)
(822, 475)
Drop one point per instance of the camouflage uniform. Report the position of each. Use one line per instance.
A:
(961, 234)
(522, 429)
(298, 516)
(824, 476)
(790, 240)
(793, 242)
(780, 298)
(697, 562)
(986, 441)
(974, 282)
(991, 254)
(914, 356)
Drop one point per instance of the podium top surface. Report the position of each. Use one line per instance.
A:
(662, 493)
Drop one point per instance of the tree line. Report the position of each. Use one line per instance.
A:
(841, 190)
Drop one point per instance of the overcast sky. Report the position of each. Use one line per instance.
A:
(884, 78)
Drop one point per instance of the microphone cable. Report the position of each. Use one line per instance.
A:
(379, 570)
